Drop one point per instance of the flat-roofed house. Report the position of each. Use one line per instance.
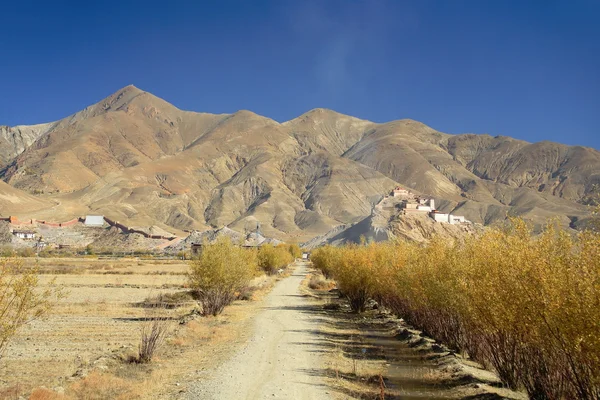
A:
(449, 218)
(94, 220)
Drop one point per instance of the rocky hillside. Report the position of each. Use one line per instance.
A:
(388, 222)
(13, 141)
(134, 157)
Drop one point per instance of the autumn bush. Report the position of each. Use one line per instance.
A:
(294, 250)
(272, 258)
(222, 270)
(21, 298)
(527, 306)
(325, 259)
(353, 269)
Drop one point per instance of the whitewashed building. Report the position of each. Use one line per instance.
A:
(94, 220)
(440, 217)
(26, 235)
(448, 218)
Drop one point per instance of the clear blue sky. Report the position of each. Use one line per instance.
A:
(527, 69)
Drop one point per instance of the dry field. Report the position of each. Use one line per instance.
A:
(86, 337)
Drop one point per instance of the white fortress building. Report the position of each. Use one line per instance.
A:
(413, 204)
(448, 218)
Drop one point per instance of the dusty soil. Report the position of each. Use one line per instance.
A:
(280, 359)
(80, 348)
(97, 318)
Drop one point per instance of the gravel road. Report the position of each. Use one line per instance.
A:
(280, 359)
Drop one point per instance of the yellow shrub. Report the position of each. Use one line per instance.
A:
(528, 306)
(221, 270)
(272, 258)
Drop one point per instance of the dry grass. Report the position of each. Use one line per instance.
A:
(12, 392)
(46, 394)
(257, 288)
(98, 318)
(99, 386)
(154, 334)
(99, 266)
(98, 327)
(356, 376)
(319, 282)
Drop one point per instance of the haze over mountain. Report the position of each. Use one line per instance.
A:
(134, 157)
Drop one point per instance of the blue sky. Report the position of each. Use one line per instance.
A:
(527, 69)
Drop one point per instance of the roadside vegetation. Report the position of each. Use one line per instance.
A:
(20, 298)
(271, 258)
(526, 306)
(223, 271)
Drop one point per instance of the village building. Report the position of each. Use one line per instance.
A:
(412, 204)
(401, 192)
(25, 235)
(94, 220)
(448, 218)
(418, 205)
(196, 249)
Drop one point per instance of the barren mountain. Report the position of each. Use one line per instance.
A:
(14, 201)
(13, 141)
(138, 159)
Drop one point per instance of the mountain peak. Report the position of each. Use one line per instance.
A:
(128, 89)
(323, 114)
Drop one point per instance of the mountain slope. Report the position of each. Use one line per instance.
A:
(14, 201)
(134, 157)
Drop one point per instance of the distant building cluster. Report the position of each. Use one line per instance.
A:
(25, 235)
(413, 204)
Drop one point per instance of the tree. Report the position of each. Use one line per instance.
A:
(21, 300)
(221, 271)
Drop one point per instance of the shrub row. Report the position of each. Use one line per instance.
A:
(527, 306)
(224, 269)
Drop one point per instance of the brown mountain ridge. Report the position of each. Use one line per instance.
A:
(138, 159)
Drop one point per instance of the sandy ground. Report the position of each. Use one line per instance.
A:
(96, 319)
(278, 360)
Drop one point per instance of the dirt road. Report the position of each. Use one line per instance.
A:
(279, 360)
